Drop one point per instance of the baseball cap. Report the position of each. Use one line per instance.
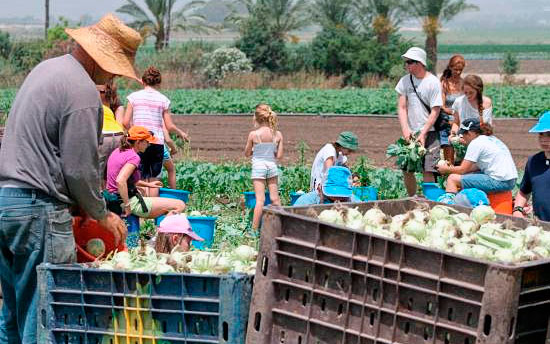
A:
(469, 124)
(543, 124)
(141, 133)
(338, 182)
(416, 54)
(178, 224)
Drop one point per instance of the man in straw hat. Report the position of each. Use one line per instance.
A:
(49, 160)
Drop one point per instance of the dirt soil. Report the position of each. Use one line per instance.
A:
(222, 138)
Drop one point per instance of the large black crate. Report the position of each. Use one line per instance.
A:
(320, 283)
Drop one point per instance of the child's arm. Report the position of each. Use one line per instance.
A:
(171, 127)
(249, 144)
(168, 140)
(280, 146)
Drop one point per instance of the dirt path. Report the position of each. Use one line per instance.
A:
(217, 138)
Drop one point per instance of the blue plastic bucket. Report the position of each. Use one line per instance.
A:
(176, 194)
(250, 199)
(132, 223)
(294, 197)
(432, 191)
(204, 226)
(366, 193)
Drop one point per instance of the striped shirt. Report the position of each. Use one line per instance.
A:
(148, 107)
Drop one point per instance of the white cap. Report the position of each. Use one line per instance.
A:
(417, 54)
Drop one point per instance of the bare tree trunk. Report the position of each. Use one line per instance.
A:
(382, 27)
(47, 25)
(168, 23)
(431, 29)
(159, 39)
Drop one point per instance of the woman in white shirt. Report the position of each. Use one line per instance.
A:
(487, 166)
(473, 104)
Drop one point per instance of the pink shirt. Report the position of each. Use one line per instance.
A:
(116, 162)
(148, 106)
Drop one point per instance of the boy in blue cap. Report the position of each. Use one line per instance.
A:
(336, 187)
(536, 179)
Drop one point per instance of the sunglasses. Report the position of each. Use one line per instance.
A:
(409, 62)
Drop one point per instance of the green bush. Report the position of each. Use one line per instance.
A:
(266, 50)
(339, 51)
(510, 64)
(25, 55)
(5, 44)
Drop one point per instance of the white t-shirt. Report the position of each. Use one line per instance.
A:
(148, 108)
(429, 89)
(492, 157)
(466, 110)
(318, 171)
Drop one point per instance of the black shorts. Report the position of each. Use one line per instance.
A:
(151, 161)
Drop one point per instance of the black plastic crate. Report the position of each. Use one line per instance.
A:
(90, 306)
(322, 283)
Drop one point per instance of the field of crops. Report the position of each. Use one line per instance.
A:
(508, 101)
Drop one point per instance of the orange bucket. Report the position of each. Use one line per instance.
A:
(87, 228)
(501, 202)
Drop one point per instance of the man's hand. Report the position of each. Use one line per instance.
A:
(116, 226)
(421, 139)
(406, 134)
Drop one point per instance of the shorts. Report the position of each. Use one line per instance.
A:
(151, 161)
(264, 170)
(432, 152)
(166, 155)
(485, 183)
(137, 209)
(444, 138)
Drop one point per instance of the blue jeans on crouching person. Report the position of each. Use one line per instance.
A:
(34, 228)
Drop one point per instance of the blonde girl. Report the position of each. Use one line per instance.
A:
(265, 145)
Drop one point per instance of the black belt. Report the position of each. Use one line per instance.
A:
(113, 134)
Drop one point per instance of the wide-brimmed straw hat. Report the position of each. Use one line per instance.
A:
(111, 44)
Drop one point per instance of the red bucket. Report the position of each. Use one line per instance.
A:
(85, 229)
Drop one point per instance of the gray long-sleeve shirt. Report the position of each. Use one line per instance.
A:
(52, 135)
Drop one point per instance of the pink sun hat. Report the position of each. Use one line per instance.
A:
(178, 224)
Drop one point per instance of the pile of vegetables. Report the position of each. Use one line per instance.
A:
(242, 259)
(444, 228)
(409, 154)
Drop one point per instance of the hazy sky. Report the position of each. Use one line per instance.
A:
(527, 12)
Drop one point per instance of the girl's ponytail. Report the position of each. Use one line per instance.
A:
(265, 115)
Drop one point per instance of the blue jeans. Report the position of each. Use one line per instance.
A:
(34, 228)
(485, 183)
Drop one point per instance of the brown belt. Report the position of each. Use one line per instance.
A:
(113, 134)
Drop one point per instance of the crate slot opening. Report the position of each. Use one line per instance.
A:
(307, 275)
(487, 324)
(282, 337)
(372, 318)
(264, 265)
(304, 299)
(427, 333)
(290, 271)
(225, 331)
(470, 319)
(299, 339)
(447, 338)
(287, 294)
(512, 327)
(340, 310)
(450, 314)
(257, 321)
(429, 308)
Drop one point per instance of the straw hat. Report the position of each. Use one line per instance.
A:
(111, 44)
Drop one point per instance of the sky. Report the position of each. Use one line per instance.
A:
(492, 12)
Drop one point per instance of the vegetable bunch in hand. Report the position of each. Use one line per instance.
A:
(409, 154)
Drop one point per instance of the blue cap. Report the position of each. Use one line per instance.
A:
(338, 182)
(471, 198)
(543, 125)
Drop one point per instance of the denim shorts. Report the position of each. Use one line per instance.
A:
(485, 183)
(444, 138)
(166, 154)
(264, 170)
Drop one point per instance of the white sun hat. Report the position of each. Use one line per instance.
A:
(417, 54)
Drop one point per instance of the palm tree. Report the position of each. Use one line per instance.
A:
(433, 13)
(383, 16)
(334, 13)
(159, 16)
(283, 15)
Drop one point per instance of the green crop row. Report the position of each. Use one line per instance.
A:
(492, 48)
(508, 101)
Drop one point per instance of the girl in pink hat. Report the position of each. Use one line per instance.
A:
(175, 231)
